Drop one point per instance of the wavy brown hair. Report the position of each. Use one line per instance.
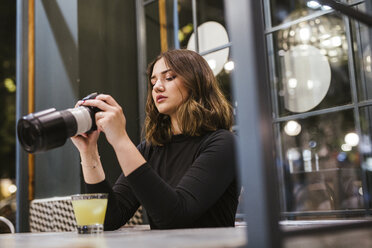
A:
(206, 108)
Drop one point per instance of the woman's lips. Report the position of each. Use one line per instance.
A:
(160, 98)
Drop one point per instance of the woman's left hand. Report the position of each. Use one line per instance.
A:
(110, 119)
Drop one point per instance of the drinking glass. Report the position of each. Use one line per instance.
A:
(89, 210)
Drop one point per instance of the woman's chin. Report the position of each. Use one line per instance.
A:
(163, 111)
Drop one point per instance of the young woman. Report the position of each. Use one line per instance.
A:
(183, 174)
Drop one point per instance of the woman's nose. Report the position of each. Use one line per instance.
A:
(158, 86)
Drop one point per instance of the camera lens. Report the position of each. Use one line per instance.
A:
(29, 134)
(41, 131)
(50, 128)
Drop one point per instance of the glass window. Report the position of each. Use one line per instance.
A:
(363, 61)
(311, 60)
(224, 79)
(211, 34)
(321, 163)
(206, 11)
(211, 24)
(152, 31)
(366, 146)
(210, 10)
(283, 11)
(211, 30)
(185, 20)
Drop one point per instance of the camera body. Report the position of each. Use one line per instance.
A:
(48, 129)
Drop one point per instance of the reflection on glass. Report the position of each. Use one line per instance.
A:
(365, 147)
(352, 139)
(211, 35)
(312, 65)
(320, 174)
(292, 128)
(363, 60)
(229, 66)
(307, 76)
(206, 10)
(281, 10)
(224, 79)
(327, 33)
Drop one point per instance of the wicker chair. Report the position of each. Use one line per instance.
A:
(56, 215)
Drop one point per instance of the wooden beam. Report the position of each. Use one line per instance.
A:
(163, 25)
(31, 88)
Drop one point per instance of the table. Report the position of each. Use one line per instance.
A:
(136, 237)
(141, 236)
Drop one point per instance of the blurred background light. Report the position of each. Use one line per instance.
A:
(229, 66)
(352, 139)
(292, 128)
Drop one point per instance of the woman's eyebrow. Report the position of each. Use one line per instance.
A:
(163, 72)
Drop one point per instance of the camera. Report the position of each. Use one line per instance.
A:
(47, 129)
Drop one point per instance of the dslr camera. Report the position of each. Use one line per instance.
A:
(47, 129)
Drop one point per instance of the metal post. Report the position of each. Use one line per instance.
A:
(175, 25)
(369, 11)
(22, 224)
(195, 24)
(141, 58)
(256, 141)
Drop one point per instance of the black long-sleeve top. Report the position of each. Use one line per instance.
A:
(187, 183)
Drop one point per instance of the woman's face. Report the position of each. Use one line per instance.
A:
(168, 90)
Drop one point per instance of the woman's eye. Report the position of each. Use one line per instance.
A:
(170, 78)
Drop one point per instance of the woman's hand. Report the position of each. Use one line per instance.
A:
(90, 161)
(110, 119)
(112, 122)
(86, 143)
